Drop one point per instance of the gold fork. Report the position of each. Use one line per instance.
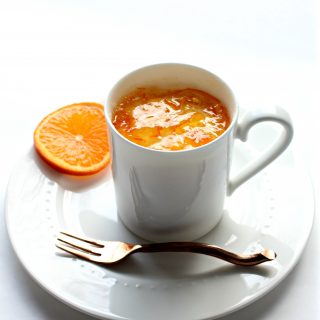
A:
(109, 252)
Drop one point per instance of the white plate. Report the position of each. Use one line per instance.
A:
(273, 210)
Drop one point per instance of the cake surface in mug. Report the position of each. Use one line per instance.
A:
(170, 120)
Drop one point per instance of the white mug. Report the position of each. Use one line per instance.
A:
(179, 195)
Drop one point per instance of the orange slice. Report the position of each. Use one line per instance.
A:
(74, 139)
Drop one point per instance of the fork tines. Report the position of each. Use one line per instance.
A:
(81, 246)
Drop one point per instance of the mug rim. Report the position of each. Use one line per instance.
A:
(215, 141)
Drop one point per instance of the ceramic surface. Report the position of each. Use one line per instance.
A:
(273, 210)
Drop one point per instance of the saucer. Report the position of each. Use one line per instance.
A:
(273, 210)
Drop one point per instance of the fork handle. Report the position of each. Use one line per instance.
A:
(210, 250)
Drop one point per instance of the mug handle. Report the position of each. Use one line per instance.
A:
(250, 119)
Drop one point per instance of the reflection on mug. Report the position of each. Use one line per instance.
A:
(154, 204)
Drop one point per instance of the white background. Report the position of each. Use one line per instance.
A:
(53, 53)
